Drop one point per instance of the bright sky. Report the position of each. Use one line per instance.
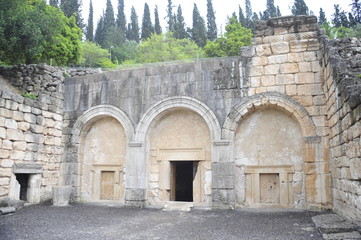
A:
(223, 8)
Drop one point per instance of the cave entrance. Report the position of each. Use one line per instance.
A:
(182, 176)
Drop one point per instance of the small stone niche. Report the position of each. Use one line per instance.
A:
(25, 182)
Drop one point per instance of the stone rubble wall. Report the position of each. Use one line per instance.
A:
(341, 63)
(31, 130)
(285, 59)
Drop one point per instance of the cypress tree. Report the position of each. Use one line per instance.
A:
(99, 36)
(242, 18)
(109, 20)
(133, 26)
(72, 8)
(121, 20)
(299, 8)
(322, 18)
(356, 10)
(351, 20)
(336, 16)
(278, 12)
(179, 25)
(90, 27)
(157, 27)
(199, 34)
(249, 22)
(211, 22)
(170, 16)
(255, 17)
(54, 3)
(270, 12)
(147, 26)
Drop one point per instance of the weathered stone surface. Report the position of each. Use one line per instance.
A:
(333, 223)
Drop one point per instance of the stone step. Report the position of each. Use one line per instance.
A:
(333, 223)
(342, 236)
(178, 206)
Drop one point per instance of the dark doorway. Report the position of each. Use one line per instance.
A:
(23, 180)
(182, 181)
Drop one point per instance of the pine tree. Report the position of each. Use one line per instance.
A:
(199, 34)
(211, 22)
(356, 10)
(255, 17)
(322, 18)
(133, 26)
(157, 27)
(147, 26)
(72, 8)
(121, 20)
(170, 16)
(242, 18)
(99, 36)
(351, 20)
(179, 25)
(109, 20)
(299, 8)
(54, 3)
(90, 27)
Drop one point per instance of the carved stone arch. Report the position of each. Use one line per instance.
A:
(278, 100)
(168, 104)
(98, 112)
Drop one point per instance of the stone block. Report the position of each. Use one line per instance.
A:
(14, 134)
(305, 67)
(24, 126)
(256, 71)
(4, 153)
(2, 133)
(285, 79)
(263, 50)
(19, 145)
(17, 155)
(61, 195)
(6, 113)
(7, 144)
(7, 163)
(309, 56)
(4, 181)
(290, 89)
(36, 128)
(24, 108)
(277, 59)
(332, 223)
(268, 81)
(299, 45)
(18, 116)
(11, 124)
(295, 57)
(289, 68)
(30, 118)
(280, 47)
(259, 61)
(272, 69)
(273, 39)
(308, 77)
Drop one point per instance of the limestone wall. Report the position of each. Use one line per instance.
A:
(341, 64)
(31, 132)
(285, 58)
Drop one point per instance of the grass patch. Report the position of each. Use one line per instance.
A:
(29, 95)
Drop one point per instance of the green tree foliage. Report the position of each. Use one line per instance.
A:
(322, 18)
(339, 17)
(147, 26)
(211, 22)
(335, 32)
(133, 27)
(235, 37)
(157, 27)
(356, 10)
(121, 20)
(179, 25)
(356, 31)
(199, 34)
(299, 8)
(32, 32)
(124, 52)
(95, 56)
(170, 18)
(72, 8)
(165, 47)
(109, 20)
(90, 27)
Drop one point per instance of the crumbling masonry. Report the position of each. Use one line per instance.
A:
(277, 126)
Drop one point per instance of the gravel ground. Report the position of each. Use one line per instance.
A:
(89, 221)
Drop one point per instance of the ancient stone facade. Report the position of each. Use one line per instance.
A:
(277, 126)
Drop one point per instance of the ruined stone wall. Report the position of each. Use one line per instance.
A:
(341, 64)
(31, 131)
